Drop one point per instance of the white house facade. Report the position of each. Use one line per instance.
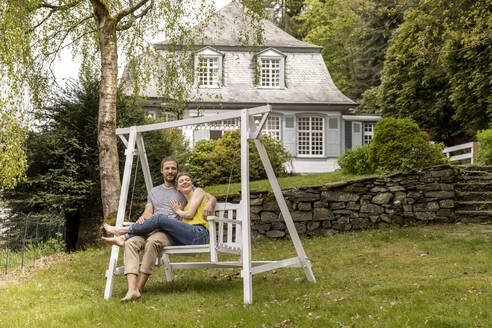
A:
(310, 116)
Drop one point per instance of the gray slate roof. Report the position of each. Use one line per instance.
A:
(307, 79)
(231, 23)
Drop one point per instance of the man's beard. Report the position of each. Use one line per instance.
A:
(167, 177)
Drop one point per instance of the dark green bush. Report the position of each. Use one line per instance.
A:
(399, 145)
(213, 162)
(484, 152)
(356, 161)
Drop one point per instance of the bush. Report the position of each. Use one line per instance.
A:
(214, 162)
(484, 152)
(356, 161)
(399, 145)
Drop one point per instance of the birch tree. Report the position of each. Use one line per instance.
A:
(34, 32)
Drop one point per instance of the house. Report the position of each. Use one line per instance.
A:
(310, 116)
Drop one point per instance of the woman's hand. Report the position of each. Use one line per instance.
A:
(176, 206)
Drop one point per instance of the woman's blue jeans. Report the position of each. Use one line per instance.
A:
(182, 233)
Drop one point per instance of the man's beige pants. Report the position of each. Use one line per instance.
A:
(150, 244)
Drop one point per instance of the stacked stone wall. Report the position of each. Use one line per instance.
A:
(401, 199)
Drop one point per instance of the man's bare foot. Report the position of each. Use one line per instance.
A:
(112, 230)
(116, 240)
(131, 295)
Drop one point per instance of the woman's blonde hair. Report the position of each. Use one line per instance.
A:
(180, 174)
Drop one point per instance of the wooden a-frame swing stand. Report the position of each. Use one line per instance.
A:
(135, 146)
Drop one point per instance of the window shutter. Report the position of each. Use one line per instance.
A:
(356, 134)
(289, 135)
(348, 134)
(333, 137)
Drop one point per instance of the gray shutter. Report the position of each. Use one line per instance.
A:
(200, 134)
(332, 137)
(348, 134)
(356, 134)
(289, 135)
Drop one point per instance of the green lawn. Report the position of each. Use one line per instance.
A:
(435, 276)
(285, 182)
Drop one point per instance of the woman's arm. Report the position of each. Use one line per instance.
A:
(196, 200)
(208, 209)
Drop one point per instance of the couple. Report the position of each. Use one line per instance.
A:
(158, 226)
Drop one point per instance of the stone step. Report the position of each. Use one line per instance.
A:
(475, 178)
(473, 173)
(473, 186)
(473, 195)
(487, 168)
(473, 205)
(467, 213)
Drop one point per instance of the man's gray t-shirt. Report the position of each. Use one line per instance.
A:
(160, 197)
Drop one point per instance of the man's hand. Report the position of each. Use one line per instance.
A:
(141, 220)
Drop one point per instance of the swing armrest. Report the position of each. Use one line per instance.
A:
(225, 220)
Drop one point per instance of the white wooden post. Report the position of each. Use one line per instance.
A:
(283, 206)
(245, 211)
(145, 164)
(108, 291)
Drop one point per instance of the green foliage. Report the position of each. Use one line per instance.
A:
(356, 161)
(214, 162)
(354, 35)
(197, 158)
(484, 152)
(63, 154)
(437, 69)
(13, 163)
(399, 144)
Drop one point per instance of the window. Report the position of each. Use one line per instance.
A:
(208, 68)
(310, 136)
(368, 133)
(208, 72)
(270, 72)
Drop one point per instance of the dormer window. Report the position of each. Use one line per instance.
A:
(271, 65)
(208, 68)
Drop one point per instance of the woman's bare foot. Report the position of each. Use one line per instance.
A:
(116, 240)
(131, 295)
(112, 230)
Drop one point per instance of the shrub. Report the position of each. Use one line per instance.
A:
(356, 161)
(399, 145)
(213, 162)
(197, 158)
(484, 152)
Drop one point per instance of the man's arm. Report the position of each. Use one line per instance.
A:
(208, 209)
(148, 212)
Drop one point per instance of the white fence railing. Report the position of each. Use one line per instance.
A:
(462, 157)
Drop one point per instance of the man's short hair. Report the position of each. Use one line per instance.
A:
(170, 159)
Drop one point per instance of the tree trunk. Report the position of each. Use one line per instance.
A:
(108, 151)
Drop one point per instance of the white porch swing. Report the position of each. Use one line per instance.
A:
(236, 226)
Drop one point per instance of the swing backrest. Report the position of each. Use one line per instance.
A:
(227, 226)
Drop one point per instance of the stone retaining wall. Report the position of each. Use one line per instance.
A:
(402, 199)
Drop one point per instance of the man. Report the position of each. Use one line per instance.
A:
(158, 202)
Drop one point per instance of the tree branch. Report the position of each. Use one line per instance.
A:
(131, 10)
(133, 18)
(53, 9)
(44, 4)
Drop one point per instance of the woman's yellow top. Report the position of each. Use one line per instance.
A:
(198, 217)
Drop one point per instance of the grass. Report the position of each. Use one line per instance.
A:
(285, 182)
(437, 276)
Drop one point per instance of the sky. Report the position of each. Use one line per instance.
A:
(67, 68)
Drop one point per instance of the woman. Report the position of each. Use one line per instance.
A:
(192, 230)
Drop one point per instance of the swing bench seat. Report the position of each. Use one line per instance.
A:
(225, 237)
